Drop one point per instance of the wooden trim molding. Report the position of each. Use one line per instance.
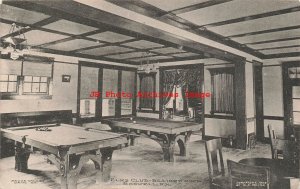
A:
(281, 118)
(250, 119)
(148, 111)
(228, 117)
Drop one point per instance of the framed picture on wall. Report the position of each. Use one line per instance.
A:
(66, 78)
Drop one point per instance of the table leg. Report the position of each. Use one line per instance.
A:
(182, 141)
(167, 144)
(70, 166)
(132, 140)
(168, 151)
(106, 163)
(21, 157)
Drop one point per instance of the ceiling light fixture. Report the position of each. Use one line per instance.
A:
(12, 45)
(146, 67)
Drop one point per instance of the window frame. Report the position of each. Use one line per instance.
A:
(8, 81)
(32, 82)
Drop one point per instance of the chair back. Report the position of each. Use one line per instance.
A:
(248, 176)
(272, 141)
(214, 158)
(279, 147)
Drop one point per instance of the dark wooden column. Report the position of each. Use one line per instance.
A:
(240, 105)
(134, 94)
(99, 99)
(118, 100)
(259, 102)
(161, 78)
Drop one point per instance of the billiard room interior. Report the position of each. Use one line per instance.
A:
(152, 94)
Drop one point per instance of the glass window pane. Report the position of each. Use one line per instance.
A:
(43, 87)
(28, 78)
(110, 83)
(296, 91)
(44, 79)
(126, 106)
(27, 87)
(87, 107)
(296, 104)
(12, 87)
(3, 86)
(108, 107)
(12, 77)
(36, 79)
(35, 87)
(296, 117)
(292, 73)
(3, 77)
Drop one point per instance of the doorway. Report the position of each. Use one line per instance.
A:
(291, 96)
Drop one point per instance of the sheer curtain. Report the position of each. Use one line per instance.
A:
(147, 86)
(222, 92)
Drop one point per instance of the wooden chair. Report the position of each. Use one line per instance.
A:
(247, 176)
(275, 152)
(215, 164)
(281, 149)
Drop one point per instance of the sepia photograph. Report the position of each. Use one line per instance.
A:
(150, 94)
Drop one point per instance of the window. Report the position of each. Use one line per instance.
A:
(222, 90)
(31, 77)
(35, 85)
(127, 86)
(147, 85)
(8, 83)
(109, 92)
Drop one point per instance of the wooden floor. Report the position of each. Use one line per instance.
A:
(131, 166)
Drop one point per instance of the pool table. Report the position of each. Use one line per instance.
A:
(167, 133)
(68, 147)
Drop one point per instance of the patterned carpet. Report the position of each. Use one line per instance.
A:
(135, 167)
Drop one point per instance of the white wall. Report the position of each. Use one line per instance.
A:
(273, 98)
(250, 103)
(64, 94)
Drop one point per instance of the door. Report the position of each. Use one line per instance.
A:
(291, 95)
(88, 94)
(295, 116)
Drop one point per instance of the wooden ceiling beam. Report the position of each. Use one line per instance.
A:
(282, 55)
(74, 11)
(282, 47)
(265, 31)
(197, 6)
(252, 17)
(272, 41)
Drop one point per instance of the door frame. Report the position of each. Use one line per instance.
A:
(287, 96)
(98, 116)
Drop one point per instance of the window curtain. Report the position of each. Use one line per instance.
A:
(184, 78)
(169, 82)
(10, 67)
(147, 85)
(37, 66)
(222, 86)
